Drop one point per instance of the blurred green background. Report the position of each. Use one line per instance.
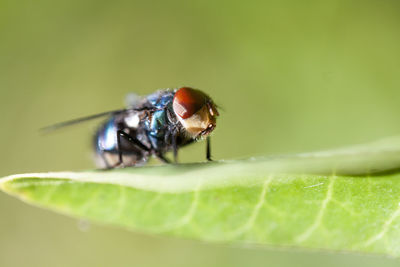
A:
(290, 75)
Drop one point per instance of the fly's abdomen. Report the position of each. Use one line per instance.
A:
(106, 137)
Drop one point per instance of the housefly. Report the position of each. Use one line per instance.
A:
(152, 126)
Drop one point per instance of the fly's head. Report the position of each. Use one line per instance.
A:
(195, 111)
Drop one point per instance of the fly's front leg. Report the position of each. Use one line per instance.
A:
(208, 149)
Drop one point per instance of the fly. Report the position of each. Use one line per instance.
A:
(152, 126)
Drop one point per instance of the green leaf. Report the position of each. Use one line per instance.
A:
(345, 199)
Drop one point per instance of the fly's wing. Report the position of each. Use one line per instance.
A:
(130, 111)
(81, 120)
(134, 103)
(133, 100)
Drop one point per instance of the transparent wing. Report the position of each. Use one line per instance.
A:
(57, 126)
(133, 100)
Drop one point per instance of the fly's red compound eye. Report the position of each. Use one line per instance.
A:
(187, 101)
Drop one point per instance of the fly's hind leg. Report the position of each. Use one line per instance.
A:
(133, 140)
(106, 164)
(162, 158)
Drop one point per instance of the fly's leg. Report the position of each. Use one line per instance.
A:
(208, 149)
(101, 157)
(107, 165)
(175, 148)
(162, 158)
(134, 141)
(172, 134)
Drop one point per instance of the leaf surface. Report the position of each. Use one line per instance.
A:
(345, 199)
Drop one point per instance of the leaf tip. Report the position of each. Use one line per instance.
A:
(3, 184)
(6, 184)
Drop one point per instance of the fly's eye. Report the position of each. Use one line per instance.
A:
(187, 101)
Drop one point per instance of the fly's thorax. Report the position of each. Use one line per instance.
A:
(195, 111)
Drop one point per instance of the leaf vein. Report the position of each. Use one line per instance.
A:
(121, 204)
(386, 227)
(306, 234)
(185, 219)
(256, 210)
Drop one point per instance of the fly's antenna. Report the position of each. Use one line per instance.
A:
(57, 126)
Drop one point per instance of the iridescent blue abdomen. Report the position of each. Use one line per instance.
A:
(106, 138)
